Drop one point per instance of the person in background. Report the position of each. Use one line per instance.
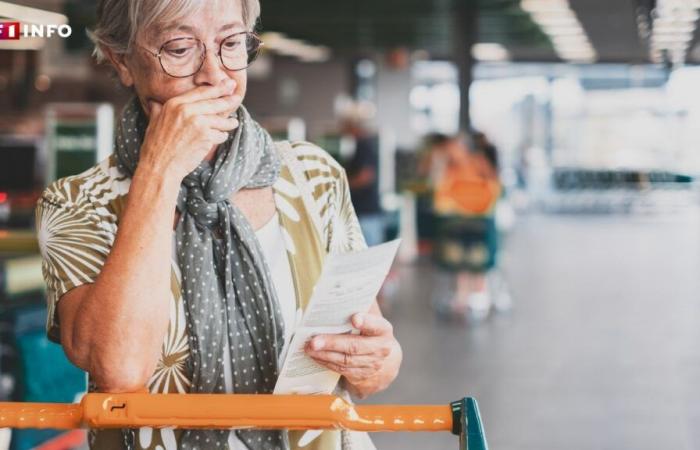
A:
(433, 158)
(464, 199)
(485, 147)
(363, 178)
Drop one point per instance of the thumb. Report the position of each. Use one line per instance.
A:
(371, 324)
(155, 109)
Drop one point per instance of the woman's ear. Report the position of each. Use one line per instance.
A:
(119, 63)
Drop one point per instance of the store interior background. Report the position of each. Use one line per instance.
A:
(594, 106)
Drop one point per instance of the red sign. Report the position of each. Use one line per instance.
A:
(9, 30)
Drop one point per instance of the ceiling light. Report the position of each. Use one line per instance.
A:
(664, 29)
(564, 31)
(569, 38)
(31, 15)
(491, 52)
(659, 38)
(284, 45)
(559, 22)
(672, 29)
(533, 6)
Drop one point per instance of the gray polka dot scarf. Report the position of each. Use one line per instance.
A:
(226, 284)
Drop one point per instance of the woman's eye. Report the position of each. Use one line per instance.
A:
(230, 45)
(183, 51)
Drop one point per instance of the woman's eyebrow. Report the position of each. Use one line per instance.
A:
(235, 24)
(189, 29)
(174, 27)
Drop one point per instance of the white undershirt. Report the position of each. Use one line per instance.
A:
(275, 253)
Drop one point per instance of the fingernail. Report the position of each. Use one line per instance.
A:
(317, 344)
(359, 319)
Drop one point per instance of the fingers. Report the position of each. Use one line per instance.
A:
(345, 361)
(353, 374)
(223, 106)
(217, 137)
(217, 112)
(203, 100)
(155, 109)
(205, 93)
(351, 344)
(372, 325)
(204, 121)
(221, 123)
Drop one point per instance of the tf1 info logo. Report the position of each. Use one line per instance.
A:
(15, 30)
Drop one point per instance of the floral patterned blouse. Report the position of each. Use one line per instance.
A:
(77, 221)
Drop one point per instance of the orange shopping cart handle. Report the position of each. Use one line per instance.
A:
(226, 411)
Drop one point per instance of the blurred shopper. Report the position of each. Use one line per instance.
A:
(465, 196)
(180, 262)
(363, 178)
(485, 147)
(434, 158)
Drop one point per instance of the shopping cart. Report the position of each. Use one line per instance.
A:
(226, 411)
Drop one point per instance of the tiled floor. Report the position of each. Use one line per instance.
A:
(601, 351)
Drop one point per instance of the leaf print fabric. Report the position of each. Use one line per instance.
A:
(77, 221)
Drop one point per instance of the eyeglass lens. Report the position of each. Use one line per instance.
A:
(184, 56)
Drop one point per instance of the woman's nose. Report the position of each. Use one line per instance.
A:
(212, 71)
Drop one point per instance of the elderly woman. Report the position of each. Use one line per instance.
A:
(181, 262)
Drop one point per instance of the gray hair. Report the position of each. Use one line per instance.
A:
(120, 22)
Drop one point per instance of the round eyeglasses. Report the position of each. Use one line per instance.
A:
(184, 57)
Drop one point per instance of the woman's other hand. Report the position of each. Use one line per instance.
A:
(368, 361)
(184, 130)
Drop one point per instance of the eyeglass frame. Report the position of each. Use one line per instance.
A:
(204, 53)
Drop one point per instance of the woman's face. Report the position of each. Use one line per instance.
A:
(214, 21)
